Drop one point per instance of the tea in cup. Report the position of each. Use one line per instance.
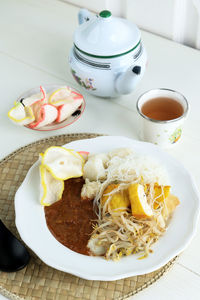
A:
(162, 113)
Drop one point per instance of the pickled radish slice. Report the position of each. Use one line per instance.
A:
(46, 114)
(67, 109)
(40, 97)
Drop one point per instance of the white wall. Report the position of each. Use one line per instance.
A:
(118, 7)
(174, 19)
(152, 15)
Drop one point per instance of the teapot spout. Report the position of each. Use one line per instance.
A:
(126, 81)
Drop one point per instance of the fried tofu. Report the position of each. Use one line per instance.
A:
(171, 202)
(160, 193)
(119, 200)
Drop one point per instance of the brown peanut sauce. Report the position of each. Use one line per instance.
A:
(70, 219)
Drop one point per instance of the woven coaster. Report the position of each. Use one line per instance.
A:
(37, 280)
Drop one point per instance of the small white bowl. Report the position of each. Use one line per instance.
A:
(54, 126)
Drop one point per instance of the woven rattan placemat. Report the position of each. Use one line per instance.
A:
(37, 280)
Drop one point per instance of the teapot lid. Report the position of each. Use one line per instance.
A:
(105, 36)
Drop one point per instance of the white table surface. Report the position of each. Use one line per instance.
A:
(35, 39)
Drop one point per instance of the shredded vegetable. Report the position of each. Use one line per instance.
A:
(117, 232)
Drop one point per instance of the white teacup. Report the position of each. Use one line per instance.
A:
(164, 133)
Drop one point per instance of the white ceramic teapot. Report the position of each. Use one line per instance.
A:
(108, 58)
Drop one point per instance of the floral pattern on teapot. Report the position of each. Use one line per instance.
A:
(87, 83)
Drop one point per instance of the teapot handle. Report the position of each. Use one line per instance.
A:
(83, 16)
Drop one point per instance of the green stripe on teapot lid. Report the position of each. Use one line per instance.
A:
(108, 56)
(105, 14)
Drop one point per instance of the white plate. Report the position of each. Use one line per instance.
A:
(30, 219)
(54, 126)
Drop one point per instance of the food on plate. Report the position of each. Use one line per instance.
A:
(21, 115)
(24, 112)
(170, 205)
(139, 206)
(57, 164)
(121, 230)
(40, 98)
(84, 154)
(119, 200)
(44, 108)
(124, 198)
(96, 167)
(63, 163)
(59, 96)
(44, 115)
(43, 112)
(71, 220)
(67, 109)
(89, 189)
(160, 194)
(51, 189)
